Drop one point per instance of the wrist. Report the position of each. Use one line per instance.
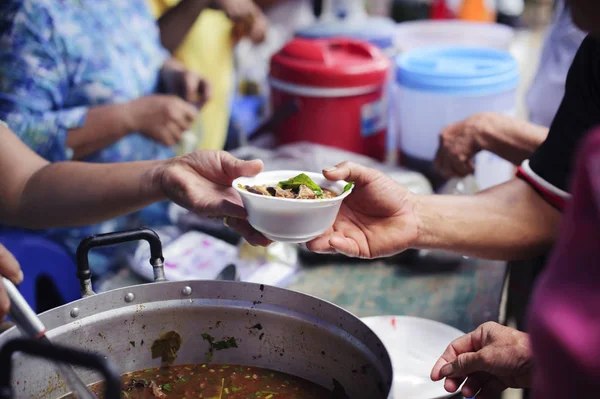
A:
(486, 131)
(153, 180)
(129, 117)
(423, 238)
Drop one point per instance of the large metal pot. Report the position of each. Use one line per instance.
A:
(274, 328)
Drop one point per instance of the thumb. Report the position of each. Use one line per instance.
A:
(350, 171)
(464, 365)
(234, 167)
(9, 266)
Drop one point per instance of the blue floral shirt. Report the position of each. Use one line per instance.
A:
(58, 58)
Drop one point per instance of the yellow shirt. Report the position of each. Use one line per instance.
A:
(208, 51)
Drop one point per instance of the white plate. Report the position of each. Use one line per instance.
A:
(414, 344)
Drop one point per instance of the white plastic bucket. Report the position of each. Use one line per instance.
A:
(437, 33)
(440, 86)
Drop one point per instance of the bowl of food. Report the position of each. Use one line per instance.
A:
(291, 206)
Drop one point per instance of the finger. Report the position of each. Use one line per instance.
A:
(204, 93)
(345, 245)
(190, 112)
(259, 29)
(187, 114)
(164, 136)
(438, 161)
(461, 345)
(9, 266)
(175, 132)
(183, 119)
(350, 171)
(474, 383)
(452, 384)
(320, 245)
(459, 169)
(236, 11)
(441, 362)
(491, 390)
(444, 165)
(462, 167)
(248, 232)
(465, 364)
(224, 206)
(191, 83)
(234, 167)
(4, 301)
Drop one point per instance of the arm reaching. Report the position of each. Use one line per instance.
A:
(510, 138)
(491, 359)
(36, 194)
(506, 222)
(177, 21)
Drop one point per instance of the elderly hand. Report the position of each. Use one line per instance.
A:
(376, 220)
(163, 118)
(235, 9)
(9, 268)
(201, 183)
(460, 142)
(248, 18)
(491, 359)
(188, 85)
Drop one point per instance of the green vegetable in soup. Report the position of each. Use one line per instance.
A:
(347, 187)
(167, 346)
(295, 182)
(225, 343)
(216, 381)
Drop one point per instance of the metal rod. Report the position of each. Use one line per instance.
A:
(30, 325)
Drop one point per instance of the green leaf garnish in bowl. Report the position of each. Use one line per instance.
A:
(302, 179)
(348, 187)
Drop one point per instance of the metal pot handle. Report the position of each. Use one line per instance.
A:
(58, 354)
(100, 240)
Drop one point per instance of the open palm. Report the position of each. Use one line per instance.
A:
(376, 220)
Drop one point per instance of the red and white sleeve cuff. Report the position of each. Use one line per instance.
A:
(551, 194)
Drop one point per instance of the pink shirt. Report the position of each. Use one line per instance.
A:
(564, 319)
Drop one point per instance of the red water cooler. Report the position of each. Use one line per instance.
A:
(338, 89)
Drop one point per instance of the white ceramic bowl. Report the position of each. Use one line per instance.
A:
(290, 220)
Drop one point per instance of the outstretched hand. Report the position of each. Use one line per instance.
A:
(376, 220)
(201, 183)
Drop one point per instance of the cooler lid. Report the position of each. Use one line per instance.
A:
(458, 70)
(330, 63)
(379, 31)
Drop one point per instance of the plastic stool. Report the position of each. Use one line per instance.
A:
(46, 266)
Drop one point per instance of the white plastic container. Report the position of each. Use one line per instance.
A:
(441, 86)
(436, 33)
(290, 220)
